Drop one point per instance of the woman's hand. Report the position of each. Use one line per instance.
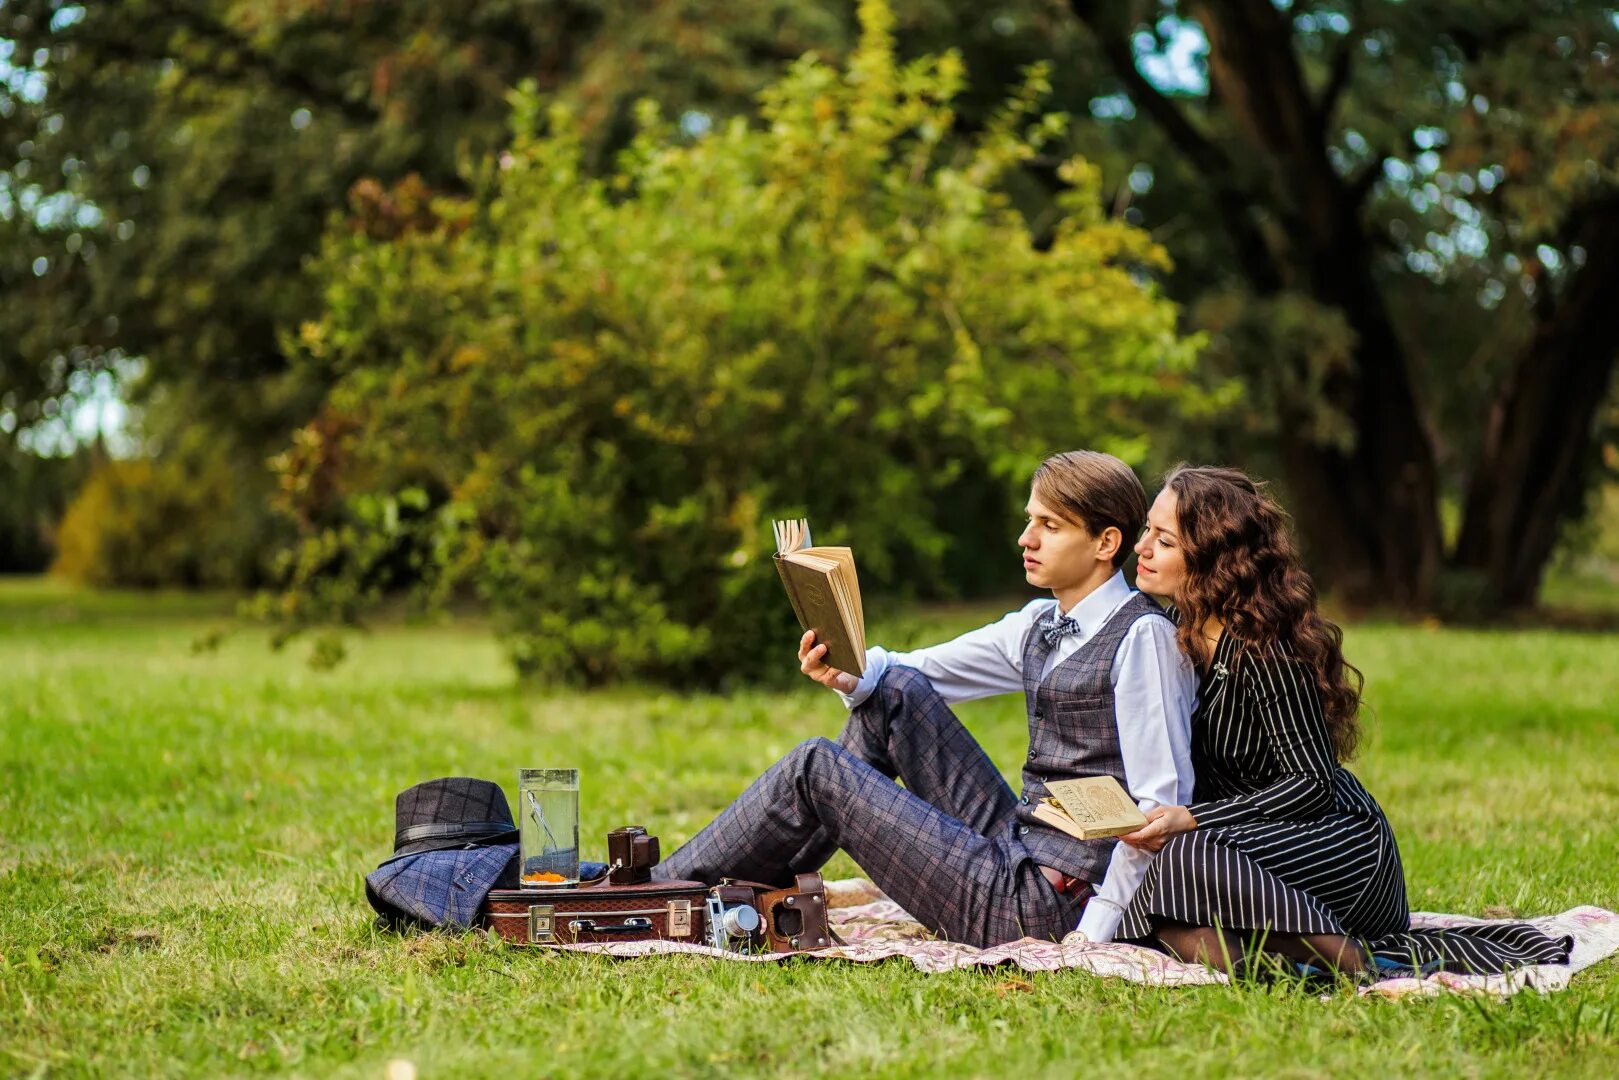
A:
(811, 664)
(1162, 823)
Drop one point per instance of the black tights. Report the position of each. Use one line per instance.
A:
(1224, 951)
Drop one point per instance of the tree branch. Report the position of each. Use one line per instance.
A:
(1253, 62)
(1205, 156)
(1343, 66)
(1360, 185)
(1202, 152)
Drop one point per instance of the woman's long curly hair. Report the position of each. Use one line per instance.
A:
(1243, 569)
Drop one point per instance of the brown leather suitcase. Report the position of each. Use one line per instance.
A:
(602, 912)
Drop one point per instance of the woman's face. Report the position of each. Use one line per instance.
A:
(1160, 565)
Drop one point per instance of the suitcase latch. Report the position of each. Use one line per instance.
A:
(679, 921)
(542, 924)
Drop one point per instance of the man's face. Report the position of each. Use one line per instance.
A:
(1057, 553)
(1160, 563)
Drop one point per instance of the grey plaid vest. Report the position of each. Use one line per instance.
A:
(1072, 733)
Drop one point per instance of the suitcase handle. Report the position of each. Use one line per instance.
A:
(628, 926)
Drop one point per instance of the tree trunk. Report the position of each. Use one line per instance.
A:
(1352, 508)
(1538, 441)
(1369, 514)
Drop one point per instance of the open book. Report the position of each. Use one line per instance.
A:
(1090, 808)
(825, 593)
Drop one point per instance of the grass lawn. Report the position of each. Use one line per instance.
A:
(183, 836)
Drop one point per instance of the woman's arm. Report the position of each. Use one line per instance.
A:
(1285, 711)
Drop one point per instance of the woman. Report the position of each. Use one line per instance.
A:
(1281, 848)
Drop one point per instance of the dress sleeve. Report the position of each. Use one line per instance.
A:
(1284, 710)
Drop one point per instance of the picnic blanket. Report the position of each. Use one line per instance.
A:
(874, 928)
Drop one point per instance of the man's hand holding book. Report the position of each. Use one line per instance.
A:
(812, 662)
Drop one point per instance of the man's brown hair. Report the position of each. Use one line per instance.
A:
(1095, 490)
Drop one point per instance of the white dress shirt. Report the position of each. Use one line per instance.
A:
(1154, 688)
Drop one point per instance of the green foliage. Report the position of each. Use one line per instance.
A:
(1278, 352)
(585, 397)
(174, 162)
(168, 166)
(187, 519)
(1478, 132)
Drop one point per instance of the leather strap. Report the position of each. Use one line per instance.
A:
(471, 830)
(756, 886)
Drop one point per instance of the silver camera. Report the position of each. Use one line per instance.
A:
(734, 923)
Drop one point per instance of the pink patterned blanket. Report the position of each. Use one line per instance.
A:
(875, 928)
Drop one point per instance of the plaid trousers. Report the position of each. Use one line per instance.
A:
(945, 846)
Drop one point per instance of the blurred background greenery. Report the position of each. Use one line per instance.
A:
(550, 305)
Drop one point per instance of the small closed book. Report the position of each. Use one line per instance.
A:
(1090, 808)
(825, 594)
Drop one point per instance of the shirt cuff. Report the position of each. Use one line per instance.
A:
(876, 664)
(1101, 919)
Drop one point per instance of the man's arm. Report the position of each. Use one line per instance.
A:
(979, 663)
(1154, 687)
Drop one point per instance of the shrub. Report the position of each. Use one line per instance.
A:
(185, 519)
(585, 397)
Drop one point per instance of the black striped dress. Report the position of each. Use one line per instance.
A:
(1288, 840)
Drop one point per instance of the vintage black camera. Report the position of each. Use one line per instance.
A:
(631, 855)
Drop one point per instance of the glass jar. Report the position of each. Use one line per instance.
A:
(548, 826)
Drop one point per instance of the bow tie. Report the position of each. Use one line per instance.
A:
(1056, 629)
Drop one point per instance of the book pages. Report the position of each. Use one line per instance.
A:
(825, 593)
(791, 535)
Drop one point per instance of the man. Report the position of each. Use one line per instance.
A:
(1107, 692)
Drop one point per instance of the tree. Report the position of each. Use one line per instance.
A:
(175, 161)
(1395, 219)
(1406, 216)
(167, 167)
(585, 397)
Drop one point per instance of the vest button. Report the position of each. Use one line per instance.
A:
(1025, 800)
(1037, 716)
(1023, 831)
